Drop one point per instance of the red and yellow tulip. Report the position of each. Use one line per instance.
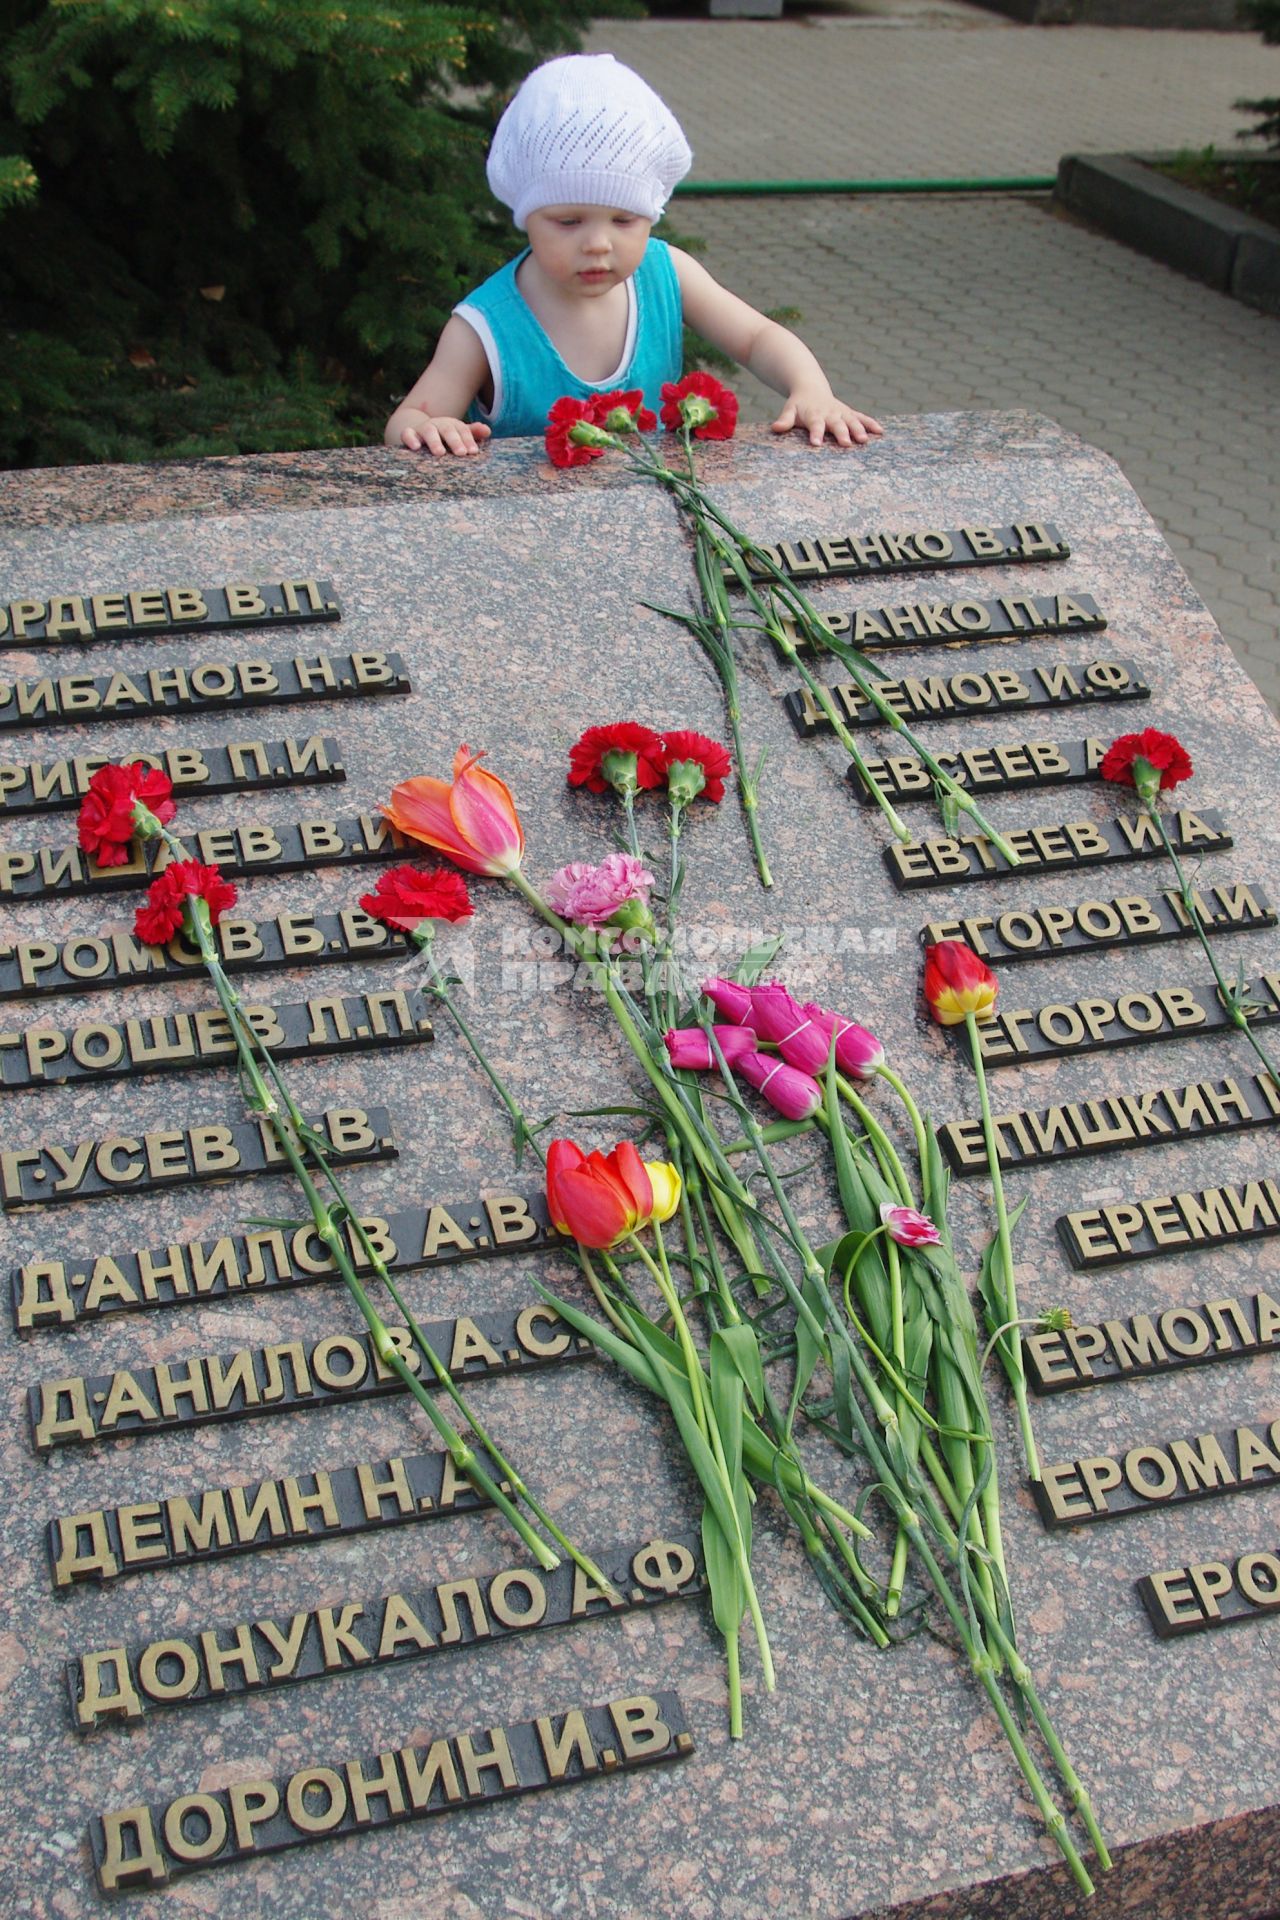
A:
(957, 983)
(599, 1199)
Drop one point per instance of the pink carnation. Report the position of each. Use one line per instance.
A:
(591, 896)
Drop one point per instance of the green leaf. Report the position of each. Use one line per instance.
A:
(852, 1193)
(991, 1288)
(724, 1577)
(726, 1406)
(809, 1349)
(938, 1182)
(629, 1358)
(743, 1349)
(948, 808)
(756, 960)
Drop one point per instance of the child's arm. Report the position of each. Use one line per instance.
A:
(430, 417)
(773, 354)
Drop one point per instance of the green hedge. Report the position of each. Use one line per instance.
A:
(233, 226)
(1265, 15)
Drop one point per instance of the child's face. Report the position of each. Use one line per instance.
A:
(587, 250)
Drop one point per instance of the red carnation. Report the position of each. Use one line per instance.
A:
(565, 415)
(168, 894)
(623, 412)
(406, 896)
(635, 757)
(702, 402)
(106, 824)
(694, 765)
(1147, 761)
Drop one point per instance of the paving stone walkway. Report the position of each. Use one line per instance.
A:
(916, 303)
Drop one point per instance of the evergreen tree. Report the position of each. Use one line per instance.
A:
(1265, 15)
(237, 225)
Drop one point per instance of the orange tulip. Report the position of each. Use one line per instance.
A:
(472, 820)
(598, 1199)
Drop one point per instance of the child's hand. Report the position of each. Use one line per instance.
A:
(820, 414)
(439, 433)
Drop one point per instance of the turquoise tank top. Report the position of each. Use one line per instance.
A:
(528, 374)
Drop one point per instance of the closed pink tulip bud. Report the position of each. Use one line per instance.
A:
(730, 1000)
(908, 1227)
(796, 1095)
(858, 1052)
(690, 1047)
(777, 1017)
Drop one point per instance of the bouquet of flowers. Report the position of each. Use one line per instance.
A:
(699, 407)
(710, 1293)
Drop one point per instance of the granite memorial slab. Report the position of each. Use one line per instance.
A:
(502, 601)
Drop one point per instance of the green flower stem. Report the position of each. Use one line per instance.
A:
(627, 796)
(898, 1568)
(249, 1049)
(690, 496)
(1228, 995)
(776, 1130)
(900, 1087)
(695, 1192)
(806, 617)
(1021, 1676)
(822, 695)
(714, 636)
(382, 1274)
(667, 1089)
(886, 1152)
(946, 1487)
(1011, 1349)
(423, 937)
(905, 1490)
(705, 1417)
(661, 1277)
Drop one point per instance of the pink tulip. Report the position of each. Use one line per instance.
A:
(796, 1095)
(731, 1001)
(777, 1017)
(690, 1047)
(858, 1052)
(908, 1227)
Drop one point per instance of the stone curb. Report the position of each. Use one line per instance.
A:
(1196, 234)
(1186, 14)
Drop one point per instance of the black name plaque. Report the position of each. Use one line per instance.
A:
(1054, 849)
(191, 1669)
(225, 685)
(88, 618)
(55, 786)
(161, 1157)
(53, 1292)
(147, 1846)
(971, 693)
(250, 1382)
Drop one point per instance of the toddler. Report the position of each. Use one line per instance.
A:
(586, 156)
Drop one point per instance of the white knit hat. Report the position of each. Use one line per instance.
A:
(587, 131)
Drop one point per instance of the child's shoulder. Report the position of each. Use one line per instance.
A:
(500, 285)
